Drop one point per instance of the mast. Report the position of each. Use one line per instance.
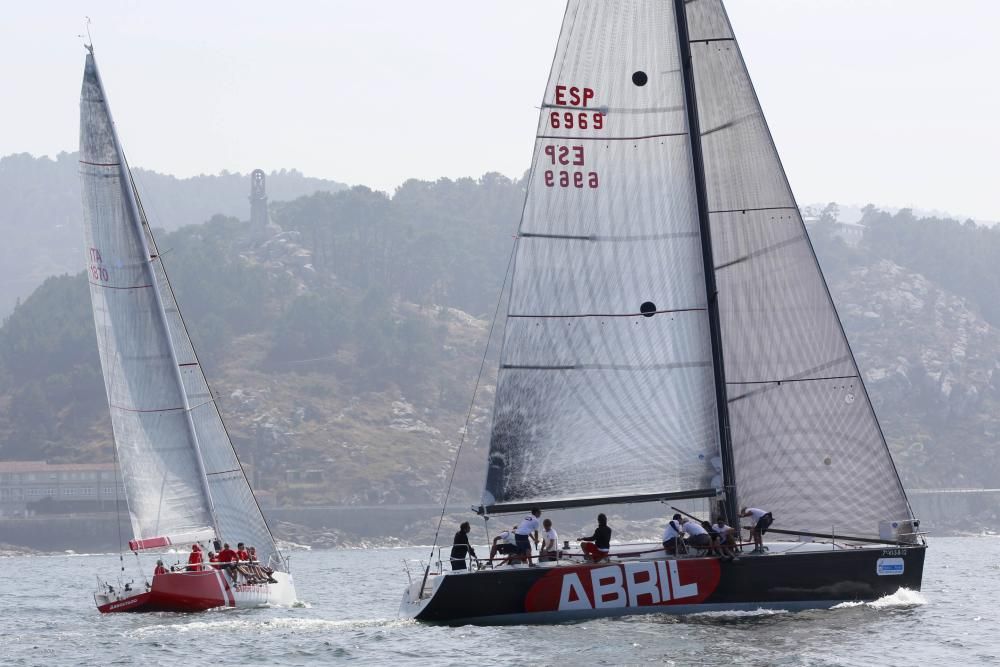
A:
(140, 220)
(694, 137)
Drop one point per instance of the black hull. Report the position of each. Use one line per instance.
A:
(807, 580)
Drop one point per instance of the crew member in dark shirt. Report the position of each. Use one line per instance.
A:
(601, 540)
(460, 547)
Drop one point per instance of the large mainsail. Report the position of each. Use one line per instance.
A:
(805, 439)
(596, 402)
(182, 478)
(606, 387)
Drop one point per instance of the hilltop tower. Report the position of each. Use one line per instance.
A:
(258, 201)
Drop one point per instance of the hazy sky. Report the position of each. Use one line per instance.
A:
(891, 101)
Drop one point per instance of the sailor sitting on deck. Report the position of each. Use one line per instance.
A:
(195, 559)
(256, 571)
(727, 537)
(549, 550)
(716, 547)
(598, 545)
(242, 554)
(160, 569)
(672, 535)
(227, 560)
(762, 520)
(227, 555)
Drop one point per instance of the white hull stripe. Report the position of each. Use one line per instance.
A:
(227, 596)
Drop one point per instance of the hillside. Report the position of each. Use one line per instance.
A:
(40, 218)
(343, 349)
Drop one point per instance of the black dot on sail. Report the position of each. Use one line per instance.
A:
(639, 78)
(648, 309)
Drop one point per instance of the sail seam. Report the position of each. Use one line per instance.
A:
(646, 136)
(101, 164)
(122, 407)
(609, 367)
(650, 313)
(625, 110)
(195, 407)
(115, 287)
(712, 39)
(224, 472)
(594, 237)
(831, 377)
(761, 208)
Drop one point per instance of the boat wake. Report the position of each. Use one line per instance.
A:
(901, 599)
(265, 626)
(736, 613)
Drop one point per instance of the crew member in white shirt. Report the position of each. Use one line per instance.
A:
(528, 528)
(672, 534)
(549, 550)
(697, 536)
(504, 545)
(762, 520)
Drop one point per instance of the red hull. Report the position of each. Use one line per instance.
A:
(179, 592)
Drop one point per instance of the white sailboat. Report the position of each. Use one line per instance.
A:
(183, 481)
(670, 336)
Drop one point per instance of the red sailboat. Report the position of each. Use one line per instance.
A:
(183, 481)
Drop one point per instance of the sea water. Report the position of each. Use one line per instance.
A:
(350, 601)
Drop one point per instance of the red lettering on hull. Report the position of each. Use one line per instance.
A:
(634, 584)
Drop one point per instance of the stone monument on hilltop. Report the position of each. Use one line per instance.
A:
(258, 201)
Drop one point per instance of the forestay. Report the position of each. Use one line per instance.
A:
(162, 410)
(805, 439)
(606, 386)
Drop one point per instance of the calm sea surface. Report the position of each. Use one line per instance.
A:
(47, 617)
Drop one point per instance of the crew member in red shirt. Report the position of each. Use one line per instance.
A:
(227, 561)
(195, 559)
(241, 553)
(213, 560)
(159, 568)
(227, 555)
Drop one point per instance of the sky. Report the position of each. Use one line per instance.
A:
(894, 102)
